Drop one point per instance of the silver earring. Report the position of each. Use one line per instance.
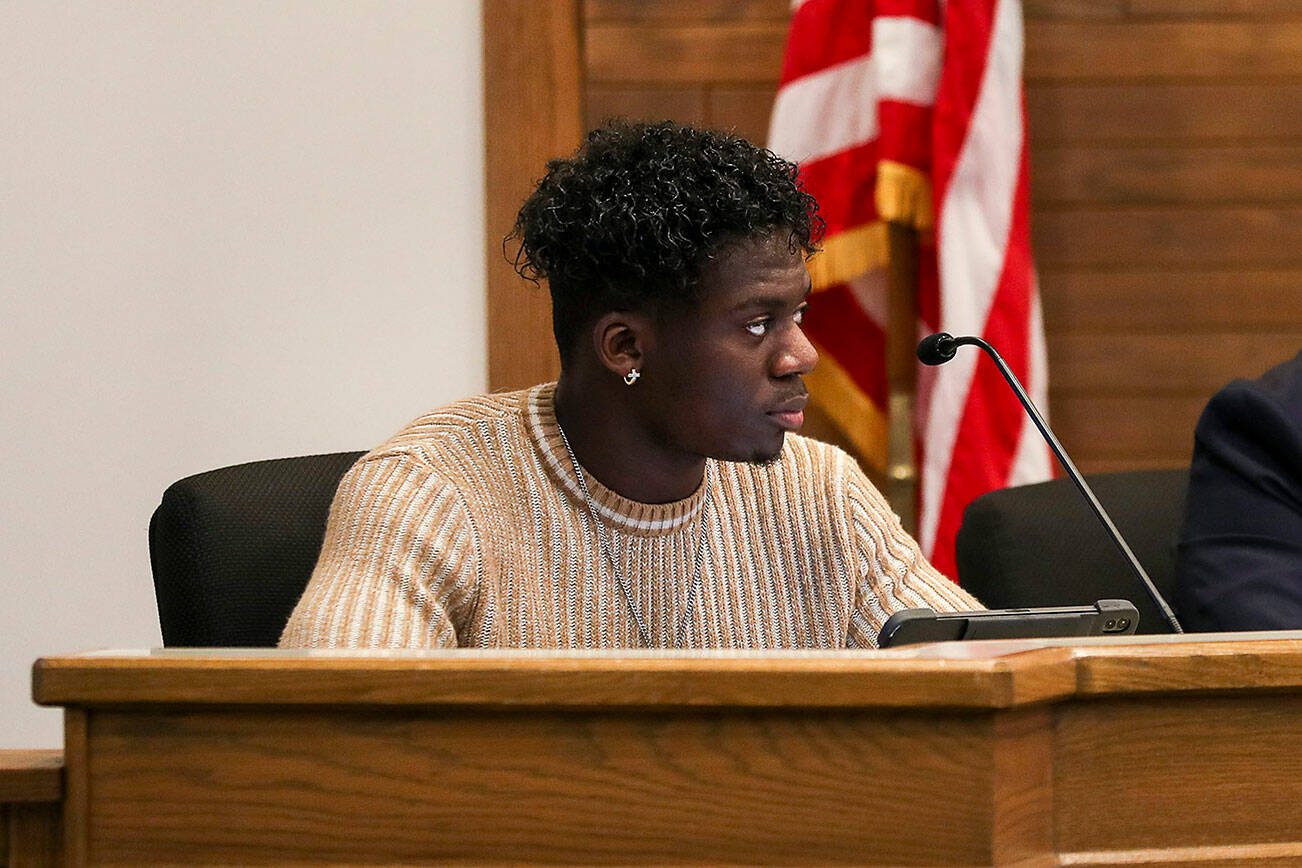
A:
(631, 377)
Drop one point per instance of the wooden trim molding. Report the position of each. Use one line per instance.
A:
(533, 112)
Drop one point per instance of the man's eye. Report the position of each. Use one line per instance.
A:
(759, 327)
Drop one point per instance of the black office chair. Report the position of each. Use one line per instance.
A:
(232, 549)
(1041, 545)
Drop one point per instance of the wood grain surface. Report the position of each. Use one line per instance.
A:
(533, 100)
(31, 775)
(685, 53)
(1134, 750)
(30, 835)
(1145, 49)
(760, 787)
(1184, 9)
(1104, 670)
(1180, 300)
(1147, 174)
(522, 678)
(31, 787)
(1222, 771)
(76, 800)
(595, 11)
(1171, 363)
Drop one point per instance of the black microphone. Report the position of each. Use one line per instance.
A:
(937, 349)
(940, 348)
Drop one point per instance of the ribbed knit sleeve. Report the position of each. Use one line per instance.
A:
(399, 564)
(890, 571)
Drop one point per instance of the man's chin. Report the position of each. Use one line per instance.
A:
(768, 455)
(765, 450)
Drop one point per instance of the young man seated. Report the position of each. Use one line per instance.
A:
(656, 495)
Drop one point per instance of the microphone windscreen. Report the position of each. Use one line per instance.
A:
(937, 349)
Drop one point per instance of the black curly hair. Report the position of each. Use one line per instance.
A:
(628, 222)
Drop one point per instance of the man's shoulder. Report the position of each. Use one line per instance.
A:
(429, 436)
(1280, 389)
(1271, 403)
(1256, 417)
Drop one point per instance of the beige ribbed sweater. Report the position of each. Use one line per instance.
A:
(468, 528)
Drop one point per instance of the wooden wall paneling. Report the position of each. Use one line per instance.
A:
(713, 64)
(685, 54)
(1149, 174)
(1140, 300)
(686, 105)
(1271, 9)
(1166, 182)
(1167, 363)
(1187, 50)
(1132, 401)
(1153, 428)
(1073, 9)
(676, 11)
(533, 112)
(741, 110)
(1177, 237)
(1173, 115)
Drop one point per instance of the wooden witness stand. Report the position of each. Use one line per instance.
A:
(1152, 750)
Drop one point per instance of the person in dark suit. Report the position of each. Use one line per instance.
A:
(1239, 561)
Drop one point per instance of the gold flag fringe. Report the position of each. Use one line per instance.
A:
(849, 254)
(859, 420)
(904, 195)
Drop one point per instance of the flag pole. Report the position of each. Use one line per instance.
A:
(901, 371)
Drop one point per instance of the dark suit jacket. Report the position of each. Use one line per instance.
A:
(1239, 564)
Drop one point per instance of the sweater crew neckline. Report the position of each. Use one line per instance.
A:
(627, 515)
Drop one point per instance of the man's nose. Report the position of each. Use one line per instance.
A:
(798, 355)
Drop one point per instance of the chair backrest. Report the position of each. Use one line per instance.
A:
(1041, 545)
(233, 549)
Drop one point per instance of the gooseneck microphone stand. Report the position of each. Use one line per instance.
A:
(940, 348)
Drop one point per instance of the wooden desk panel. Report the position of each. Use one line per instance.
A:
(1154, 751)
(31, 785)
(1218, 771)
(757, 787)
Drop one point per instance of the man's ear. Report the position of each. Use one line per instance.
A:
(622, 339)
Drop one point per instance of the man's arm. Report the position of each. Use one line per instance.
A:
(1240, 557)
(399, 562)
(891, 572)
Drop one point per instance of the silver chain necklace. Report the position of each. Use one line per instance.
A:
(608, 552)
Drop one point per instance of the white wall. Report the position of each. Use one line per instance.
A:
(228, 231)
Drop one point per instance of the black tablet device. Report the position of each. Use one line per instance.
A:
(1104, 618)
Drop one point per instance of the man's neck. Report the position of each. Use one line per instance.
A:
(612, 446)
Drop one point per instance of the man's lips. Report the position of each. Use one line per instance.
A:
(790, 414)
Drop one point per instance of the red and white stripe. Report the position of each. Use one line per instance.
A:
(937, 87)
(974, 436)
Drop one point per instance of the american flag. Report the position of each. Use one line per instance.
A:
(891, 107)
